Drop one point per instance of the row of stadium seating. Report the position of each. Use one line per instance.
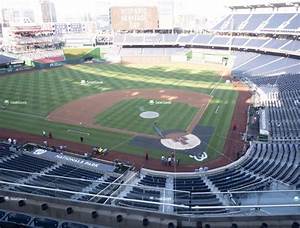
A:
(264, 161)
(141, 194)
(284, 121)
(10, 219)
(263, 43)
(264, 164)
(34, 40)
(62, 28)
(277, 160)
(194, 193)
(99, 188)
(43, 177)
(235, 179)
(79, 40)
(270, 66)
(283, 83)
(259, 22)
(278, 80)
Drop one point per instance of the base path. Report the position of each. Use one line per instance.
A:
(84, 110)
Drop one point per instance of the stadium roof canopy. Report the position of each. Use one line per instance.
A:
(6, 60)
(266, 5)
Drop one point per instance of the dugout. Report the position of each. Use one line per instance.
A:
(7, 62)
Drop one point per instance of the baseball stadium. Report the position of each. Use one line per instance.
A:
(141, 126)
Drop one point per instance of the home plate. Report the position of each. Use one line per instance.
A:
(185, 142)
(149, 115)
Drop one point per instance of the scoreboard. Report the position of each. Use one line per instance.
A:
(134, 18)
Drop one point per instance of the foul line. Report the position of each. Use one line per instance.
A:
(78, 132)
(217, 109)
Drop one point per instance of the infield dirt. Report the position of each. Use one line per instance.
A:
(84, 110)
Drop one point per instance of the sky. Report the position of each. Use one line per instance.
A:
(73, 8)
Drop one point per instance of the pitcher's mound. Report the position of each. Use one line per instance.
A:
(149, 115)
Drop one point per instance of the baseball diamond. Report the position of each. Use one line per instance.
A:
(58, 101)
(150, 114)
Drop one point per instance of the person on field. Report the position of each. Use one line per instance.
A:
(147, 156)
(162, 159)
(172, 154)
(44, 133)
(81, 139)
(50, 135)
(170, 161)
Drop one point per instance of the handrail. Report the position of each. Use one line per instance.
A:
(157, 203)
(90, 180)
(101, 191)
(247, 186)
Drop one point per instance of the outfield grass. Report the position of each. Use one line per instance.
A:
(125, 115)
(71, 53)
(45, 90)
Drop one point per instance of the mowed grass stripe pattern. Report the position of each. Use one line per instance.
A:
(45, 90)
(219, 114)
(126, 115)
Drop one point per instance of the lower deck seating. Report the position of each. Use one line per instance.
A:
(18, 218)
(155, 181)
(2, 213)
(138, 193)
(44, 222)
(193, 193)
(4, 152)
(60, 179)
(21, 166)
(98, 189)
(234, 178)
(276, 160)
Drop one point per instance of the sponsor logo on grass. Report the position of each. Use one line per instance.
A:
(159, 102)
(87, 83)
(15, 102)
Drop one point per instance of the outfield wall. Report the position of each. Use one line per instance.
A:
(72, 56)
(203, 56)
(77, 53)
(14, 69)
(146, 59)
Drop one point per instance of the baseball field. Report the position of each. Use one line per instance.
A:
(103, 103)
